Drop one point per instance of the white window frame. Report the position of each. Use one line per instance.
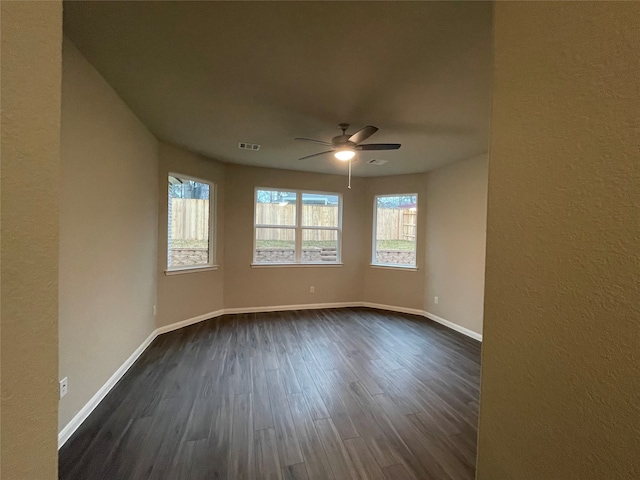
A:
(374, 229)
(298, 228)
(213, 206)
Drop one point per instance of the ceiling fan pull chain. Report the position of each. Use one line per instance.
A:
(349, 173)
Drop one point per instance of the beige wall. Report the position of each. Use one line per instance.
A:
(455, 242)
(236, 284)
(388, 286)
(108, 225)
(188, 295)
(561, 372)
(245, 286)
(31, 46)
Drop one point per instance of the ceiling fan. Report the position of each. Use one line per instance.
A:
(344, 147)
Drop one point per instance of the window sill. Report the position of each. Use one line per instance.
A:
(279, 265)
(394, 267)
(180, 271)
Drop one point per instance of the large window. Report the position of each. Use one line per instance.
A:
(297, 227)
(190, 223)
(395, 229)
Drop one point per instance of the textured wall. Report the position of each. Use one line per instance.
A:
(31, 48)
(560, 368)
(191, 294)
(456, 233)
(108, 239)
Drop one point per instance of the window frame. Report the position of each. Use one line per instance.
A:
(298, 228)
(213, 207)
(374, 231)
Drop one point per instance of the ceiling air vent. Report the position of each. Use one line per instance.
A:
(377, 162)
(249, 146)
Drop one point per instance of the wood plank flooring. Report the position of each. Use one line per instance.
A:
(304, 395)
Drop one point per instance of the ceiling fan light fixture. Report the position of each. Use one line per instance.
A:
(345, 154)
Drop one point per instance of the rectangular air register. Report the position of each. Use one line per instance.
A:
(377, 162)
(248, 146)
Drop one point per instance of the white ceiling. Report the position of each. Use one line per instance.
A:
(207, 75)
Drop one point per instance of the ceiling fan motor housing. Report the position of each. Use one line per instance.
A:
(342, 141)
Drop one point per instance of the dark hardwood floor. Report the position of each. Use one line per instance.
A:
(316, 394)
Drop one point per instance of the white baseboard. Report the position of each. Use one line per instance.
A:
(82, 415)
(85, 411)
(454, 326)
(393, 308)
(283, 308)
(189, 321)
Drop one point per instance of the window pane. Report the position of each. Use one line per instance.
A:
(396, 217)
(274, 207)
(275, 245)
(319, 245)
(188, 223)
(320, 210)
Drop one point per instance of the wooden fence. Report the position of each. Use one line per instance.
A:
(190, 221)
(396, 224)
(315, 215)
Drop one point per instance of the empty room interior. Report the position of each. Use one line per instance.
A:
(274, 240)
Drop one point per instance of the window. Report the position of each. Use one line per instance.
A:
(297, 227)
(190, 239)
(395, 229)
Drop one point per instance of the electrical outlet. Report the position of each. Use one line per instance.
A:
(64, 387)
(435, 300)
(312, 289)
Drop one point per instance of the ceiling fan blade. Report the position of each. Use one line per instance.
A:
(379, 146)
(314, 141)
(315, 155)
(362, 135)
